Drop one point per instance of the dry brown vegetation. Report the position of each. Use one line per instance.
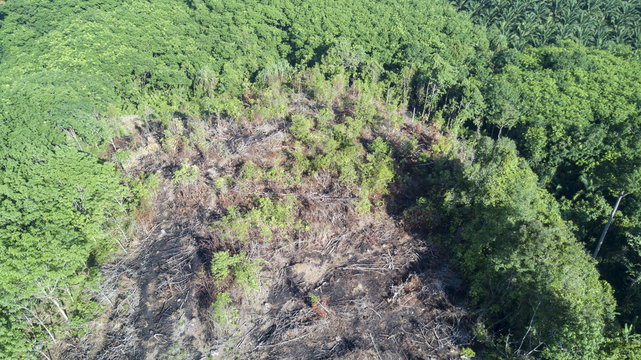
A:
(346, 284)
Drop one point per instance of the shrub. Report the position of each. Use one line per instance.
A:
(223, 313)
(244, 271)
(300, 128)
(186, 174)
(265, 218)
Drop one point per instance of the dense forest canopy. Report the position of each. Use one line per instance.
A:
(576, 120)
(539, 105)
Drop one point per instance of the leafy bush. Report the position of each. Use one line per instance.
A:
(245, 271)
(300, 128)
(187, 173)
(223, 312)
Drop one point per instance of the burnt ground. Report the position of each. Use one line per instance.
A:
(383, 291)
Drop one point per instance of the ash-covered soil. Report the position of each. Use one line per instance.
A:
(350, 286)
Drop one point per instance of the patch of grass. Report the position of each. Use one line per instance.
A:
(142, 188)
(222, 184)
(277, 173)
(197, 136)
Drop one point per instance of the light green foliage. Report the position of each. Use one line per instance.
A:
(55, 207)
(168, 51)
(142, 189)
(144, 186)
(300, 128)
(245, 272)
(313, 299)
(272, 107)
(332, 143)
(223, 313)
(378, 169)
(197, 135)
(276, 72)
(186, 174)
(261, 221)
(467, 353)
(376, 172)
(175, 353)
(252, 171)
(222, 183)
(202, 45)
(524, 266)
(502, 104)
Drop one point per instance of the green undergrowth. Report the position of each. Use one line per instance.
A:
(223, 312)
(186, 174)
(261, 221)
(243, 273)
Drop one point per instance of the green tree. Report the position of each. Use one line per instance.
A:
(528, 275)
(579, 131)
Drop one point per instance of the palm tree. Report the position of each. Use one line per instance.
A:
(484, 17)
(525, 27)
(580, 34)
(474, 7)
(600, 36)
(548, 31)
(556, 6)
(635, 35)
(206, 78)
(462, 4)
(565, 31)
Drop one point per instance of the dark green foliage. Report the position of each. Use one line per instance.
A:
(577, 112)
(578, 127)
(601, 23)
(626, 345)
(529, 278)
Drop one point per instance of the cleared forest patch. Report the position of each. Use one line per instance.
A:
(252, 247)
